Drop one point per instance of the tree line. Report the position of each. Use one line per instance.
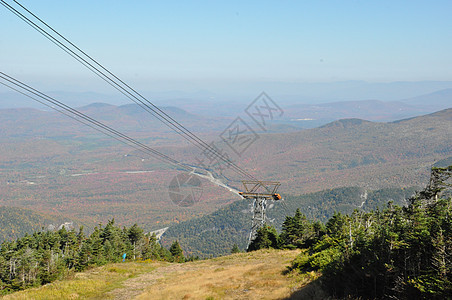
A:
(45, 256)
(391, 253)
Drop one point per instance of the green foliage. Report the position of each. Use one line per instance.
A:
(321, 260)
(45, 256)
(266, 237)
(235, 249)
(135, 234)
(213, 234)
(177, 252)
(298, 232)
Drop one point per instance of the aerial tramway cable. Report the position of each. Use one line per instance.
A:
(50, 102)
(121, 86)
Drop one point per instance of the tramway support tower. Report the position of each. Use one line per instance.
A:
(260, 192)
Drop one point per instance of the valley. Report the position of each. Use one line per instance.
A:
(54, 166)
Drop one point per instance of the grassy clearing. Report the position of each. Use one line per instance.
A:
(255, 275)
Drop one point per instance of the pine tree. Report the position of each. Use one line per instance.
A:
(235, 249)
(84, 257)
(299, 232)
(135, 234)
(177, 252)
(266, 237)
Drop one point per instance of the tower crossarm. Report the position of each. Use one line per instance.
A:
(260, 189)
(274, 196)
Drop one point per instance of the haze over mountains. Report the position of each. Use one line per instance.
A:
(306, 105)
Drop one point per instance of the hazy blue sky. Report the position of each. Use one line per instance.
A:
(159, 45)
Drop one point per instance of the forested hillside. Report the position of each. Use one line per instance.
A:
(216, 233)
(15, 222)
(393, 253)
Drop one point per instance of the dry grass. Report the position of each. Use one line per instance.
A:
(256, 275)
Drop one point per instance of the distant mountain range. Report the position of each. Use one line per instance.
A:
(310, 115)
(125, 118)
(437, 100)
(306, 105)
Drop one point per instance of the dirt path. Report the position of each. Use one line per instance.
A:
(136, 286)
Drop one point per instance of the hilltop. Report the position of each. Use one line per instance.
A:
(126, 118)
(254, 275)
(354, 152)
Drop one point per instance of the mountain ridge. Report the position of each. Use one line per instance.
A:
(371, 155)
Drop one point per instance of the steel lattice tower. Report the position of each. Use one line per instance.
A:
(260, 192)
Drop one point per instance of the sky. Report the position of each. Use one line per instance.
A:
(210, 45)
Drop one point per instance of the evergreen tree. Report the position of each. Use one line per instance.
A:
(235, 249)
(135, 234)
(299, 232)
(177, 252)
(266, 237)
